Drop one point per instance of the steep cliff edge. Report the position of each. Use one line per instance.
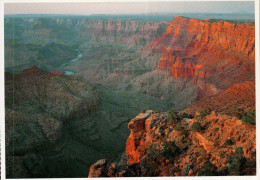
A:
(208, 52)
(158, 147)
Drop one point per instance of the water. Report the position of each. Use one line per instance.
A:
(73, 60)
(68, 73)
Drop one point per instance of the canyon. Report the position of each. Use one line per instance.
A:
(124, 67)
(218, 59)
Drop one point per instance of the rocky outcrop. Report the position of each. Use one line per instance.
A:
(99, 169)
(135, 146)
(38, 105)
(210, 144)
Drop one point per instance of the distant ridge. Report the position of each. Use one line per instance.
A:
(152, 17)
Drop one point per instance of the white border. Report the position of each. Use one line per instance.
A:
(2, 104)
(2, 99)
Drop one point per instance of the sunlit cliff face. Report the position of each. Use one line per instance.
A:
(197, 49)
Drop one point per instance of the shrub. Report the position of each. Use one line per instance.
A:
(208, 169)
(236, 163)
(239, 153)
(196, 126)
(172, 116)
(179, 127)
(229, 142)
(187, 168)
(207, 124)
(223, 171)
(204, 113)
(249, 117)
(147, 168)
(153, 152)
(233, 111)
(170, 150)
(185, 115)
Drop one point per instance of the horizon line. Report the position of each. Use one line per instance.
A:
(163, 13)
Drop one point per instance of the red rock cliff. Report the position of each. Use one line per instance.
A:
(241, 95)
(221, 52)
(195, 147)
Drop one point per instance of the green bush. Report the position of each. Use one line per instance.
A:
(153, 152)
(223, 171)
(236, 163)
(187, 168)
(172, 116)
(239, 153)
(179, 127)
(196, 126)
(208, 169)
(229, 142)
(207, 124)
(170, 150)
(185, 115)
(249, 117)
(204, 113)
(233, 111)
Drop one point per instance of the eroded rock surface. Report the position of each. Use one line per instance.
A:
(196, 147)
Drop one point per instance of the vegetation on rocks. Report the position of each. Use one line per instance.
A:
(249, 117)
(187, 168)
(229, 142)
(236, 163)
(153, 152)
(170, 150)
(234, 111)
(208, 169)
(196, 126)
(179, 127)
(173, 117)
(204, 113)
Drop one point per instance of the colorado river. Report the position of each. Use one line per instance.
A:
(73, 60)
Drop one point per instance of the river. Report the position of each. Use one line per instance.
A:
(73, 60)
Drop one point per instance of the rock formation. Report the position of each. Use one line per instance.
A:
(209, 53)
(123, 31)
(38, 104)
(241, 96)
(196, 147)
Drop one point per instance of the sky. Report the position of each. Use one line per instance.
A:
(88, 8)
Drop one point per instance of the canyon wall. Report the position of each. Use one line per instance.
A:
(240, 95)
(218, 58)
(83, 28)
(207, 52)
(119, 30)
